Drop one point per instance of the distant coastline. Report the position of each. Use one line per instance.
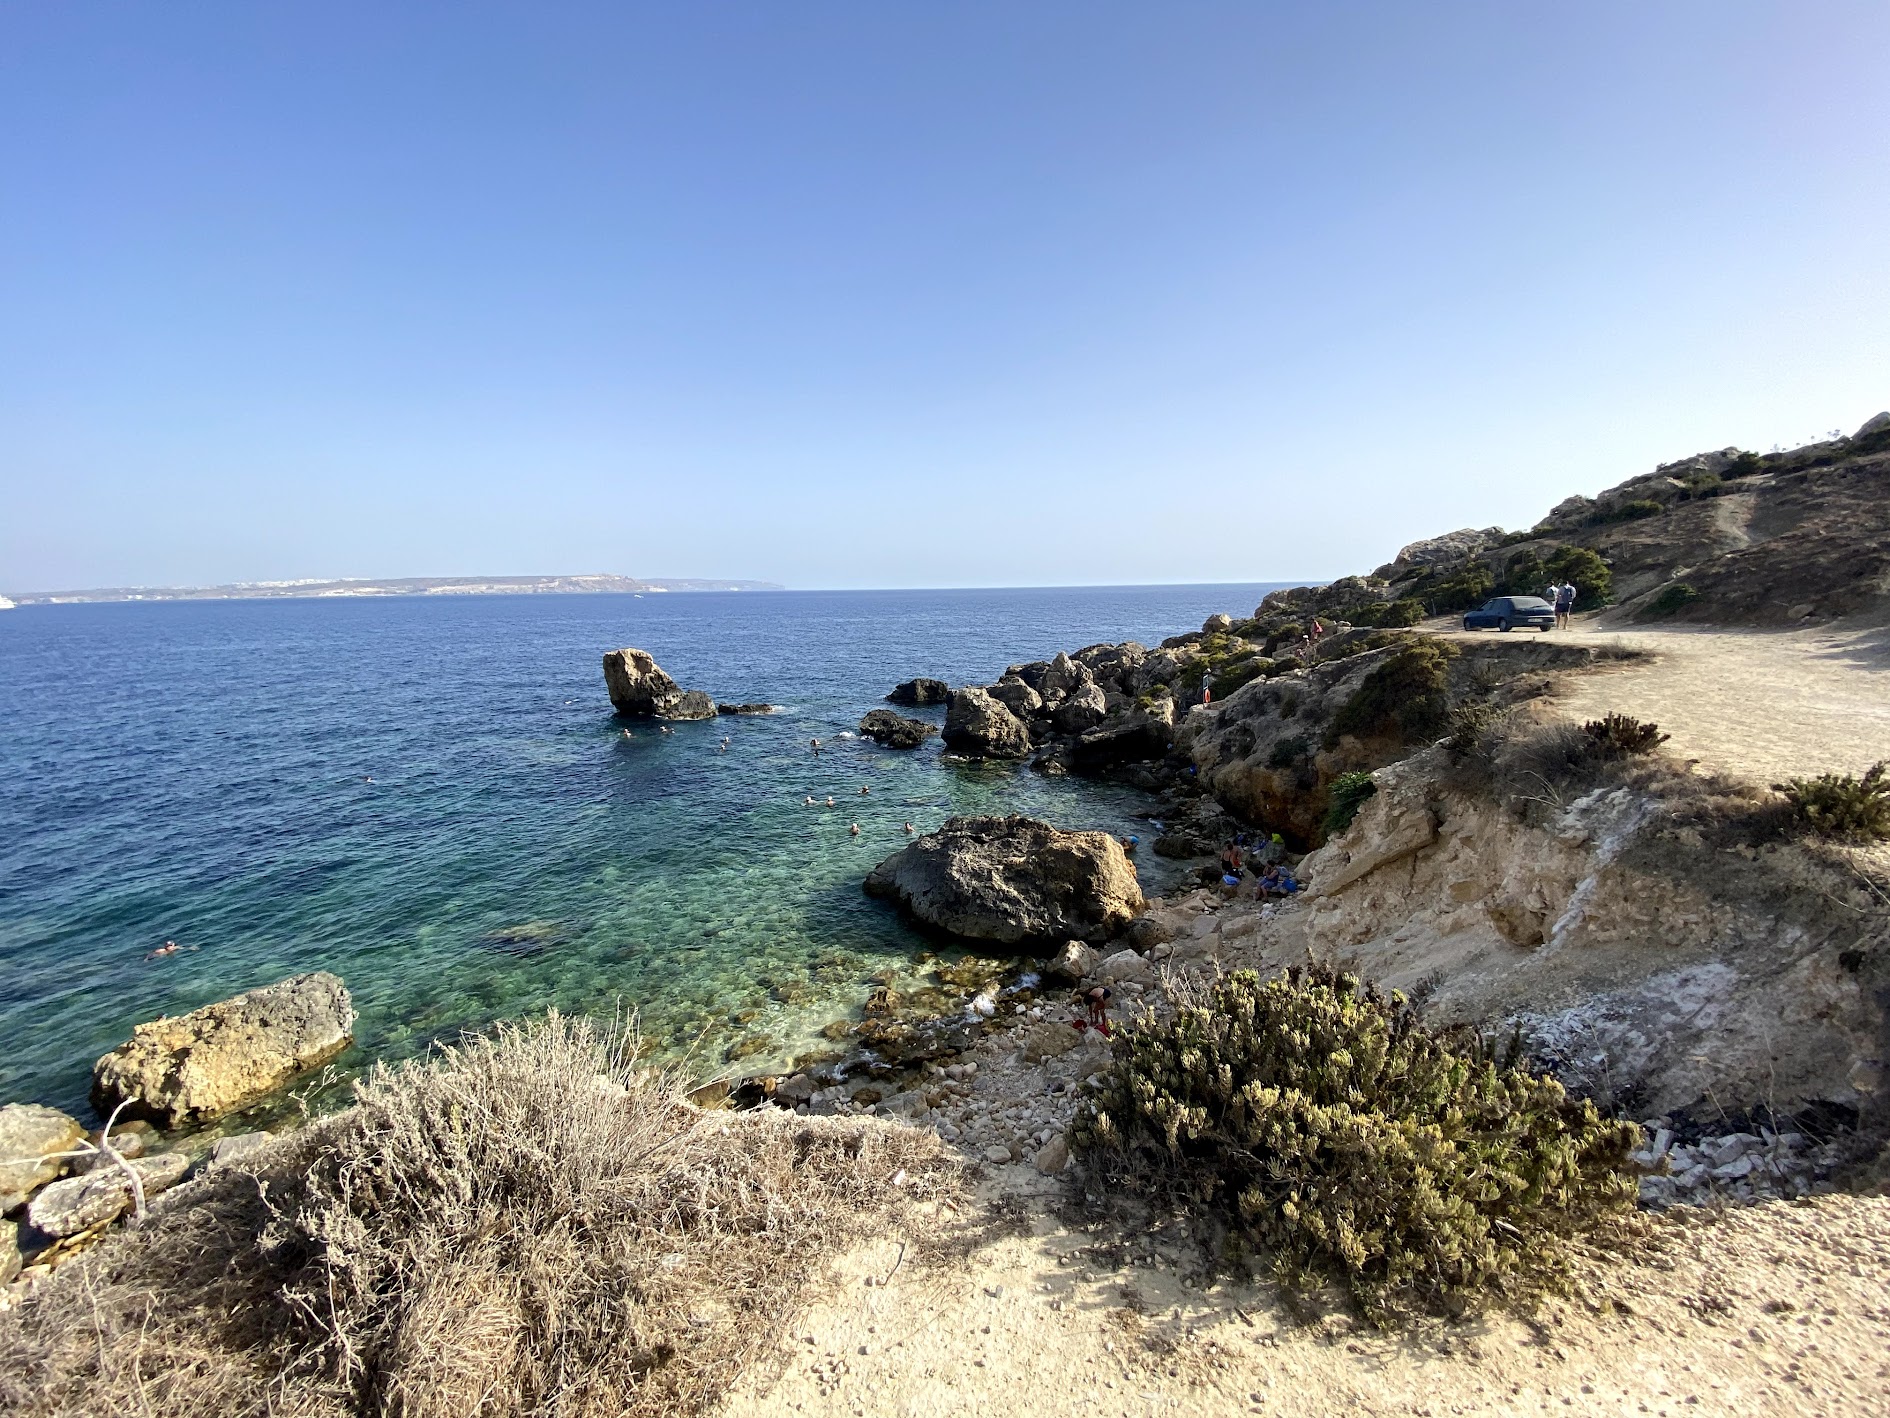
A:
(391, 586)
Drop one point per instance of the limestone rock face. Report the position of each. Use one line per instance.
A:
(69, 1207)
(29, 1134)
(206, 1063)
(892, 730)
(1083, 708)
(920, 691)
(1013, 880)
(1016, 695)
(1062, 676)
(1452, 546)
(638, 685)
(1215, 624)
(979, 725)
(9, 1251)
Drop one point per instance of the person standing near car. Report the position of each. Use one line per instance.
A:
(1564, 604)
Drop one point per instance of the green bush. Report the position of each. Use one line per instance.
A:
(1838, 805)
(1403, 697)
(1671, 598)
(1628, 512)
(1389, 615)
(1284, 665)
(1469, 587)
(1349, 792)
(1619, 735)
(1289, 751)
(1287, 634)
(1321, 1121)
(1587, 572)
(1743, 465)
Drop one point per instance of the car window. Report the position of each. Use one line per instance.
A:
(1531, 603)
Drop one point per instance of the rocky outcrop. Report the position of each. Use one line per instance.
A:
(103, 1194)
(203, 1064)
(1452, 546)
(1013, 880)
(981, 727)
(1646, 966)
(921, 691)
(745, 708)
(9, 1251)
(638, 685)
(29, 1136)
(891, 730)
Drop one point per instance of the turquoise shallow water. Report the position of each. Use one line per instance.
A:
(432, 799)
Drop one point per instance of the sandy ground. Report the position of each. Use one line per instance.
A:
(1780, 1308)
(1760, 705)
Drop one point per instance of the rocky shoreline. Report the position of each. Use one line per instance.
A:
(1386, 758)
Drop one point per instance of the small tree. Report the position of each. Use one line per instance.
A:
(1587, 572)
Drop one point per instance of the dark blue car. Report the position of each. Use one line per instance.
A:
(1508, 612)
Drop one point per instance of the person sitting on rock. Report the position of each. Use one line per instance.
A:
(1275, 882)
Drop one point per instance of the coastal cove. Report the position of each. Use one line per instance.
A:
(433, 800)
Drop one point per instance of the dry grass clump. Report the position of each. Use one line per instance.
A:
(527, 1224)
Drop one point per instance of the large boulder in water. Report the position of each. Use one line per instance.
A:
(638, 685)
(895, 730)
(1013, 880)
(203, 1064)
(920, 691)
(981, 726)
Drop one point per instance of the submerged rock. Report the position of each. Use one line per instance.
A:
(203, 1064)
(892, 730)
(920, 691)
(1014, 880)
(981, 726)
(29, 1135)
(744, 708)
(638, 685)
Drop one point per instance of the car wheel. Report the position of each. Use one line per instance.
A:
(1503, 624)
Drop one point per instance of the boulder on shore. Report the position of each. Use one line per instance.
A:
(892, 730)
(978, 725)
(920, 691)
(203, 1064)
(30, 1136)
(1013, 880)
(80, 1203)
(638, 685)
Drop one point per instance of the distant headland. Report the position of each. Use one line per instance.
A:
(392, 586)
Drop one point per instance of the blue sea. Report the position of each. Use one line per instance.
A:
(431, 798)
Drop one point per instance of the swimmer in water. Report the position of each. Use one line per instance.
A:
(830, 800)
(810, 800)
(816, 744)
(168, 948)
(665, 729)
(863, 790)
(855, 829)
(908, 829)
(725, 744)
(627, 734)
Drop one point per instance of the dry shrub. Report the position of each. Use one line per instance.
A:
(528, 1223)
(1617, 735)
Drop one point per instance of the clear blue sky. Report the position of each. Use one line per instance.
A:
(889, 293)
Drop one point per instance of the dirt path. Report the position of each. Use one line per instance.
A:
(1761, 705)
(1776, 1309)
